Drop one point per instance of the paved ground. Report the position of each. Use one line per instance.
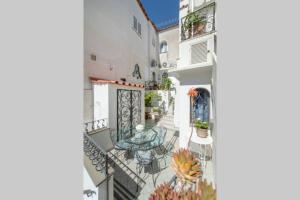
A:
(162, 171)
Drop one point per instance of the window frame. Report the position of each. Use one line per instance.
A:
(166, 48)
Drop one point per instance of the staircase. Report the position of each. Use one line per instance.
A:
(168, 119)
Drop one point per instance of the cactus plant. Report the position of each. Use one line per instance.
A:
(189, 195)
(186, 166)
(206, 191)
(164, 192)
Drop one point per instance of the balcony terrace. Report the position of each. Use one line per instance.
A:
(198, 23)
(103, 162)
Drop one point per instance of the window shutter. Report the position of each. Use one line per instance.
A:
(134, 23)
(199, 53)
(139, 29)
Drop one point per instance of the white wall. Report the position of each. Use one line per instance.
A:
(105, 100)
(88, 105)
(109, 34)
(89, 185)
(185, 49)
(101, 101)
(171, 37)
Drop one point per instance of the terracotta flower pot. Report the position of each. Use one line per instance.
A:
(198, 28)
(203, 133)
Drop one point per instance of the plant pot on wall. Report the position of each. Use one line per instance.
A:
(203, 133)
(198, 28)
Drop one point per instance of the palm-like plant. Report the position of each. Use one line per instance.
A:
(186, 166)
(164, 192)
(206, 191)
(189, 195)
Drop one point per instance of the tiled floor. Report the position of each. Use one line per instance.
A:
(161, 174)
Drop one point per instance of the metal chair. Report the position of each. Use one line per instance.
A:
(119, 146)
(144, 159)
(159, 142)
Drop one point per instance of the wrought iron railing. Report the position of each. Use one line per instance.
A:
(98, 157)
(95, 153)
(198, 23)
(95, 125)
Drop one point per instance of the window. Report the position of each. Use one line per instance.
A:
(153, 42)
(139, 28)
(200, 105)
(134, 23)
(163, 47)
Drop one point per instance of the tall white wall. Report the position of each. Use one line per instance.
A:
(109, 34)
(101, 101)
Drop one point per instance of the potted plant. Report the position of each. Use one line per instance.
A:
(199, 25)
(201, 128)
(155, 114)
(194, 23)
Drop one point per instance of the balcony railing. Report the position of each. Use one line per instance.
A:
(95, 125)
(198, 23)
(99, 158)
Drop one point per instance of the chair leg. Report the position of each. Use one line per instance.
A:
(137, 181)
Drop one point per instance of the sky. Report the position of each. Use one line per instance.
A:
(162, 11)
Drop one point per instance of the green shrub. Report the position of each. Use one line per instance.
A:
(199, 124)
(165, 84)
(156, 110)
(149, 96)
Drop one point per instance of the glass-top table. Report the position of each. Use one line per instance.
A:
(149, 138)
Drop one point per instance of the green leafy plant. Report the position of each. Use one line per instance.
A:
(149, 97)
(193, 19)
(157, 110)
(190, 19)
(199, 124)
(165, 84)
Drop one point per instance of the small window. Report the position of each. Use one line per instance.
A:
(163, 47)
(139, 29)
(134, 23)
(153, 42)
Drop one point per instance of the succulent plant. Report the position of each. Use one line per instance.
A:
(189, 195)
(164, 192)
(206, 191)
(186, 166)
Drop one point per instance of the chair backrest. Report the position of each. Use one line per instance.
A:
(144, 157)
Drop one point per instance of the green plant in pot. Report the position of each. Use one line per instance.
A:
(194, 22)
(201, 128)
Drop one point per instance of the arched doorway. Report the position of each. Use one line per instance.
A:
(200, 108)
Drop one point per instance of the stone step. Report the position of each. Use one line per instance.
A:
(170, 123)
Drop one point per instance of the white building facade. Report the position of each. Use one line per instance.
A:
(120, 43)
(196, 68)
(120, 55)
